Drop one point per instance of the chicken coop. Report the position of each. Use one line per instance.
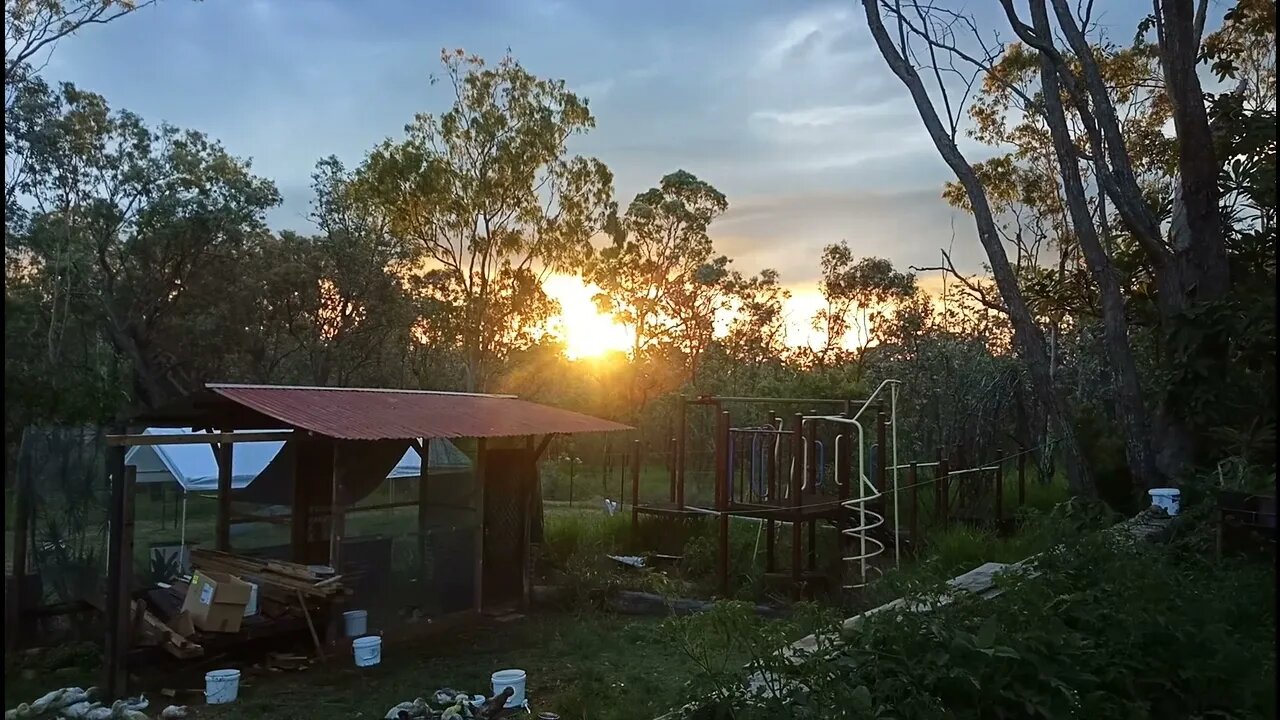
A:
(334, 520)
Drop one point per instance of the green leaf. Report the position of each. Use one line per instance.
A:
(986, 636)
(860, 698)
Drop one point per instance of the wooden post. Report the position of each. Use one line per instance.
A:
(604, 471)
(622, 479)
(222, 536)
(771, 491)
(811, 443)
(739, 466)
(337, 514)
(937, 487)
(14, 608)
(682, 441)
(723, 496)
(841, 475)
(671, 467)
(944, 489)
(635, 492)
(1022, 478)
(337, 532)
(480, 470)
(119, 575)
(913, 476)
(572, 460)
(423, 447)
(530, 495)
(797, 473)
(300, 513)
(999, 482)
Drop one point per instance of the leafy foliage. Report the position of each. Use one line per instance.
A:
(1105, 628)
(489, 197)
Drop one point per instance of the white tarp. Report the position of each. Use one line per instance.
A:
(195, 467)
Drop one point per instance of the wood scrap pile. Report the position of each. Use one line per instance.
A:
(275, 578)
(151, 630)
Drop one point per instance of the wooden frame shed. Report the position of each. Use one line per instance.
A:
(338, 440)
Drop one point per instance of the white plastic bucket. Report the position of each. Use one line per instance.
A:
(356, 622)
(367, 650)
(513, 679)
(221, 686)
(1168, 498)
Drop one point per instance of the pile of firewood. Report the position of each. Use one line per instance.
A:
(274, 577)
(151, 630)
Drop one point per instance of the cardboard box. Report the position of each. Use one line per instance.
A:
(216, 601)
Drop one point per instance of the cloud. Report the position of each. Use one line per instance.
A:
(596, 89)
(787, 232)
(823, 36)
(825, 115)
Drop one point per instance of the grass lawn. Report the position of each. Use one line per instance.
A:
(591, 665)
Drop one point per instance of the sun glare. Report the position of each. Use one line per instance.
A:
(585, 331)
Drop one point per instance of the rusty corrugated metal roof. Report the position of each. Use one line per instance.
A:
(384, 414)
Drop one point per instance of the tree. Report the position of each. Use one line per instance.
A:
(492, 202)
(138, 231)
(659, 246)
(1102, 109)
(859, 295)
(757, 335)
(332, 308)
(1027, 335)
(32, 27)
(660, 276)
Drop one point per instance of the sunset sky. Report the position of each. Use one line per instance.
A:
(787, 108)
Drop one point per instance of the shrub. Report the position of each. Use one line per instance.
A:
(1107, 628)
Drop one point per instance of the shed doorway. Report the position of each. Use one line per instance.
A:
(511, 479)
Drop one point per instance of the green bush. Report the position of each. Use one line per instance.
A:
(1108, 628)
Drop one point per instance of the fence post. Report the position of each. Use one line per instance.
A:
(571, 463)
(682, 440)
(119, 574)
(914, 478)
(944, 487)
(635, 491)
(671, 467)
(21, 532)
(604, 471)
(797, 470)
(999, 479)
(723, 495)
(937, 487)
(1022, 478)
(622, 478)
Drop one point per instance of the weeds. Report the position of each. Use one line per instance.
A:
(1108, 628)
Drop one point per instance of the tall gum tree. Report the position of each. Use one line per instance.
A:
(491, 200)
(1028, 337)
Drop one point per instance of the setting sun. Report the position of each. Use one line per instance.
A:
(585, 331)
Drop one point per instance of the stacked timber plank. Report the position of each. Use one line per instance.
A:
(272, 576)
(150, 630)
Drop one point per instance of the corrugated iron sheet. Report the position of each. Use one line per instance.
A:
(377, 414)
